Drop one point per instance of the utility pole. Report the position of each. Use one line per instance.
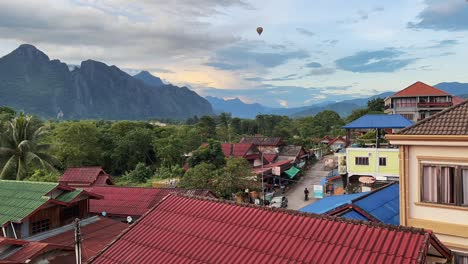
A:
(77, 241)
(263, 186)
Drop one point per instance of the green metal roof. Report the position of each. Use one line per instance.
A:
(292, 172)
(68, 196)
(18, 199)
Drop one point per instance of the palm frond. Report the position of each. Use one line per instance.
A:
(6, 152)
(29, 156)
(8, 171)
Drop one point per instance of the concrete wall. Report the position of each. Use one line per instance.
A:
(392, 169)
(450, 223)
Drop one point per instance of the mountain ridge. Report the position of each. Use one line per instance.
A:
(31, 82)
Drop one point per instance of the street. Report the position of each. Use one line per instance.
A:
(311, 177)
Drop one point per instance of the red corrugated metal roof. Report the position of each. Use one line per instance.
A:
(194, 230)
(237, 150)
(419, 89)
(457, 100)
(133, 201)
(28, 249)
(279, 164)
(95, 236)
(84, 176)
(270, 157)
(339, 138)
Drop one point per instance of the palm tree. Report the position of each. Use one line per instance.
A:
(19, 148)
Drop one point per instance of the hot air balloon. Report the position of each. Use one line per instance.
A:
(259, 30)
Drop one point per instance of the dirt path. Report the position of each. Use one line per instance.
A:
(312, 176)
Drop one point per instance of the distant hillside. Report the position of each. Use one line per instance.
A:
(342, 108)
(454, 88)
(240, 109)
(30, 81)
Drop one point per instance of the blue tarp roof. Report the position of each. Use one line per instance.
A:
(379, 121)
(354, 215)
(329, 203)
(383, 204)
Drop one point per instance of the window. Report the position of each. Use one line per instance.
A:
(460, 258)
(40, 226)
(362, 161)
(382, 161)
(444, 184)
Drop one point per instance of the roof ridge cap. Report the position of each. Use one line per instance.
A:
(433, 117)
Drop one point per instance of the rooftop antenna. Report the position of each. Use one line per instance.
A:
(129, 219)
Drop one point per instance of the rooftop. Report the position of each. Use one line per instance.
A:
(419, 89)
(22, 251)
(19, 199)
(381, 121)
(133, 201)
(329, 203)
(95, 234)
(452, 121)
(85, 176)
(184, 229)
(238, 150)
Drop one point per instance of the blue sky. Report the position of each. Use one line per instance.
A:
(309, 52)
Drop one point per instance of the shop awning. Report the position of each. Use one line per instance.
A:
(292, 172)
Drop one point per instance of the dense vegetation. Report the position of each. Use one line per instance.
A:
(138, 152)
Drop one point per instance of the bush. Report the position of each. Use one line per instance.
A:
(140, 174)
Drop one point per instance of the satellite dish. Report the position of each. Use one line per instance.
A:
(104, 213)
(129, 219)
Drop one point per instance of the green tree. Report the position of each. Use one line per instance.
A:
(200, 177)
(357, 113)
(140, 174)
(376, 105)
(77, 143)
(132, 148)
(211, 153)
(207, 127)
(174, 171)
(233, 178)
(6, 113)
(41, 175)
(328, 119)
(169, 150)
(20, 149)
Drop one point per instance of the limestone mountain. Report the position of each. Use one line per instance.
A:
(30, 81)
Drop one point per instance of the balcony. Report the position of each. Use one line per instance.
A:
(434, 104)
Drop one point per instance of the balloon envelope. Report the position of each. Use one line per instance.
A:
(259, 30)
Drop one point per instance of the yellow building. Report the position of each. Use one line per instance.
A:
(381, 163)
(434, 177)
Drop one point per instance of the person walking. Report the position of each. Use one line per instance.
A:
(306, 194)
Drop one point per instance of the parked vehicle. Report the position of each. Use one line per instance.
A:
(279, 202)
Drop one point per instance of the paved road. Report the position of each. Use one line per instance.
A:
(312, 176)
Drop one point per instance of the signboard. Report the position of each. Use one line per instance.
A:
(276, 171)
(318, 191)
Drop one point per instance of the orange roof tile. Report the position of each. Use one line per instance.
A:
(418, 89)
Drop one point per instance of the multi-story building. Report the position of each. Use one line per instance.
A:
(380, 163)
(434, 177)
(419, 101)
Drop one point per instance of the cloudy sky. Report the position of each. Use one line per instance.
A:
(309, 52)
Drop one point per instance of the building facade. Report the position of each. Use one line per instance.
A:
(418, 101)
(380, 163)
(434, 177)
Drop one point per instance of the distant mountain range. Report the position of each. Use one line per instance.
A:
(31, 82)
(344, 108)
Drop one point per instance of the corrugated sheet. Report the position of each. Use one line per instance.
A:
(329, 203)
(194, 230)
(20, 198)
(133, 201)
(238, 150)
(95, 236)
(28, 250)
(82, 175)
(370, 121)
(262, 141)
(383, 204)
(354, 215)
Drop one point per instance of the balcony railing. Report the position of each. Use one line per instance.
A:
(435, 104)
